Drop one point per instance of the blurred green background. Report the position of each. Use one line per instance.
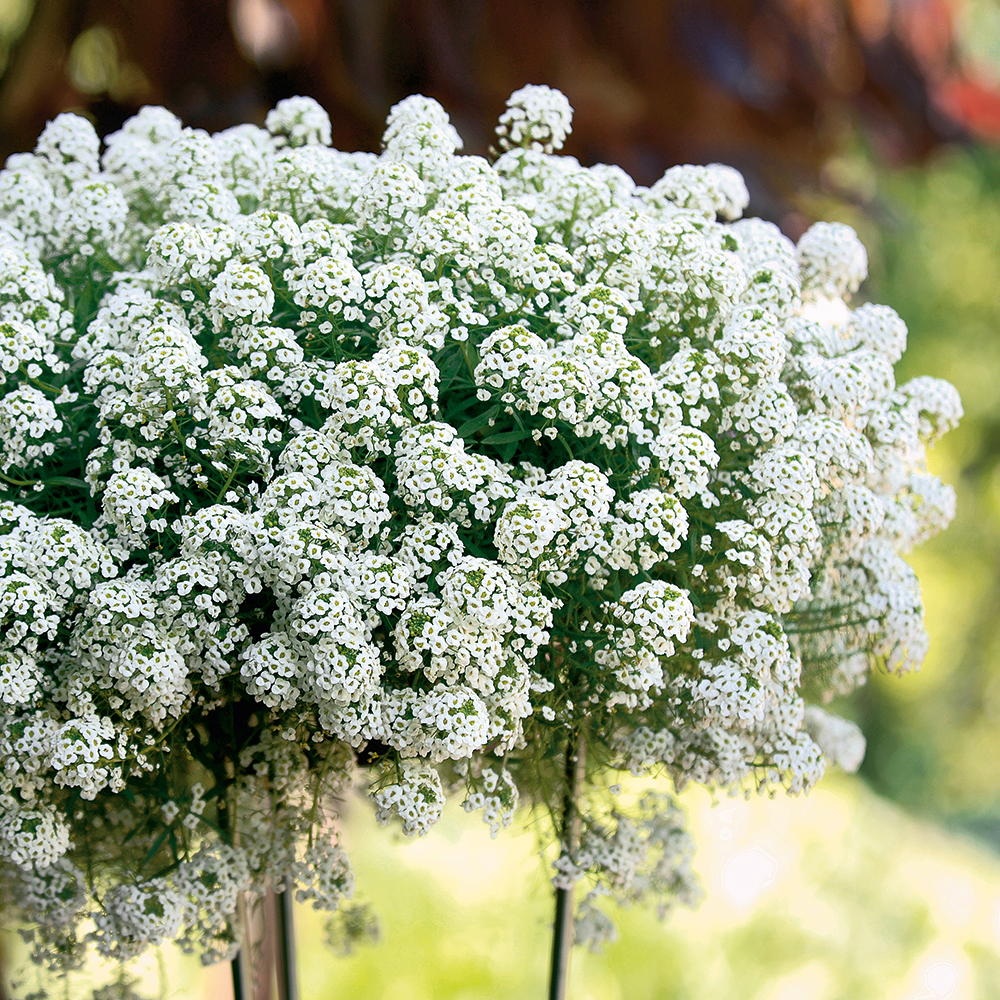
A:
(880, 113)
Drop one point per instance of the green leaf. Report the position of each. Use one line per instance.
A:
(507, 452)
(224, 834)
(506, 437)
(216, 790)
(66, 481)
(471, 426)
(157, 844)
(449, 364)
(479, 551)
(463, 403)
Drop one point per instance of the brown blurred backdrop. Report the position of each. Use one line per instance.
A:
(774, 87)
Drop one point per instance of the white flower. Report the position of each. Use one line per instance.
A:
(712, 190)
(416, 798)
(418, 110)
(28, 419)
(832, 260)
(299, 121)
(33, 838)
(136, 498)
(271, 670)
(390, 198)
(537, 117)
(840, 740)
(497, 796)
(242, 293)
(136, 917)
(20, 677)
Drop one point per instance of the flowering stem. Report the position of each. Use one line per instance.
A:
(562, 930)
(18, 482)
(228, 483)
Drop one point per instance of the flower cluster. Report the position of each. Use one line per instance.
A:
(425, 468)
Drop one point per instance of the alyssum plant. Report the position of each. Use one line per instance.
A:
(444, 475)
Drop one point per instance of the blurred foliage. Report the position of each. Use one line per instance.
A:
(860, 902)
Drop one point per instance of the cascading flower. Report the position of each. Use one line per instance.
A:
(425, 472)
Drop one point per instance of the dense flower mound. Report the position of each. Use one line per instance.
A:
(420, 470)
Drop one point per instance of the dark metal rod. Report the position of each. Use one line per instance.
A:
(244, 980)
(236, 966)
(288, 980)
(562, 942)
(562, 929)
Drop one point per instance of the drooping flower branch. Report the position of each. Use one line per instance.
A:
(421, 469)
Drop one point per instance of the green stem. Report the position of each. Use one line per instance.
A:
(228, 482)
(19, 482)
(38, 383)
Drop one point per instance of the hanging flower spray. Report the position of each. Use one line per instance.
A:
(444, 476)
